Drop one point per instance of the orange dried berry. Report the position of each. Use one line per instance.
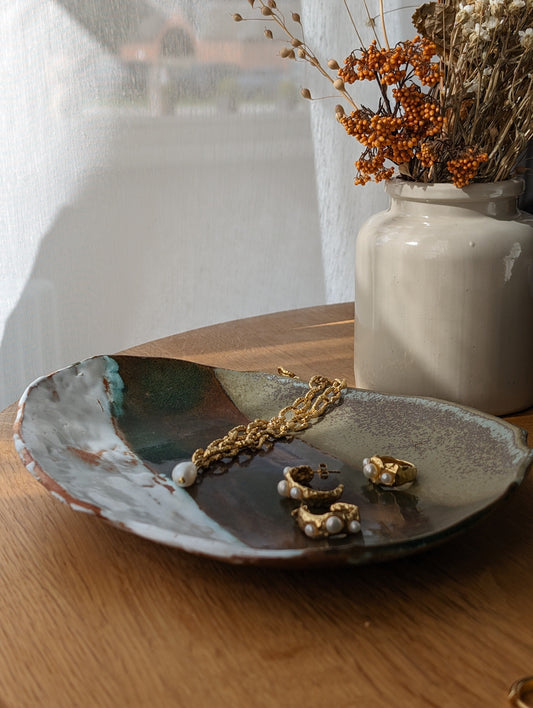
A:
(392, 66)
(464, 168)
(427, 155)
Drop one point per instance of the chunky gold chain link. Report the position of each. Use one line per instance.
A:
(257, 434)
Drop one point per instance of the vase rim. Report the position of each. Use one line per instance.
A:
(447, 192)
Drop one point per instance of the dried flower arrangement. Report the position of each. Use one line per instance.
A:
(455, 103)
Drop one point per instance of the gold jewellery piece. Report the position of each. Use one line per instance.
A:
(519, 690)
(296, 485)
(260, 433)
(388, 471)
(341, 518)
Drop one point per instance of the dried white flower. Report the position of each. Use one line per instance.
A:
(480, 33)
(526, 38)
(464, 13)
(491, 23)
(516, 5)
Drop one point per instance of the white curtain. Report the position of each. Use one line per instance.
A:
(159, 172)
(344, 207)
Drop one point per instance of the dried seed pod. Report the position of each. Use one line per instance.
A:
(268, 34)
(296, 42)
(339, 84)
(301, 53)
(272, 3)
(296, 17)
(333, 65)
(339, 110)
(305, 93)
(237, 17)
(287, 53)
(251, 2)
(266, 10)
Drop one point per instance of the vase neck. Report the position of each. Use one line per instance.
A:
(497, 200)
(503, 209)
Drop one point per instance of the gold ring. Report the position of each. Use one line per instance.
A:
(296, 485)
(389, 471)
(518, 690)
(342, 518)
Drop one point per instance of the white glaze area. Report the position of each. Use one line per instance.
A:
(444, 296)
(68, 431)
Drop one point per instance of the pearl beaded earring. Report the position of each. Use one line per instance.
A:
(341, 518)
(387, 471)
(296, 485)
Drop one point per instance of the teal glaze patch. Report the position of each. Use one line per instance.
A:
(115, 387)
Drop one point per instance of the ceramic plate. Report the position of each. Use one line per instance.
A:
(103, 436)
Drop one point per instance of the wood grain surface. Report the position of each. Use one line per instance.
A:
(93, 616)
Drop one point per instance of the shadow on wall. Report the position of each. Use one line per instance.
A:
(195, 220)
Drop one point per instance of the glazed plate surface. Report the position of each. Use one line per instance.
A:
(103, 436)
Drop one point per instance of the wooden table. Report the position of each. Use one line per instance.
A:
(93, 616)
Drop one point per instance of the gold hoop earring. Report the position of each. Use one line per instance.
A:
(342, 518)
(389, 471)
(518, 691)
(296, 485)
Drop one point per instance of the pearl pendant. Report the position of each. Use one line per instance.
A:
(184, 474)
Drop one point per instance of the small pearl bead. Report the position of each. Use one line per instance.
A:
(296, 493)
(366, 461)
(386, 478)
(184, 474)
(354, 526)
(283, 488)
(286, 469)
(310, 530)
(369, 469)
(334, 524)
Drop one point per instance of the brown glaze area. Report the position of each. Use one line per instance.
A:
(92, 458)
(95, 458)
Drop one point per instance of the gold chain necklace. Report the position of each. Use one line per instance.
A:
(257, 434)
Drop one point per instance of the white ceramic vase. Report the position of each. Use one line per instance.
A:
(444, 296)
